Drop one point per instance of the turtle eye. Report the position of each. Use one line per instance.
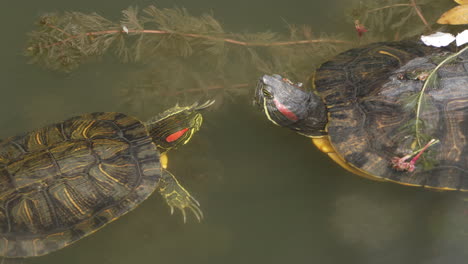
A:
(266, 93)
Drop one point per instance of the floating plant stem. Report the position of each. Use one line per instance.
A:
(430, 79)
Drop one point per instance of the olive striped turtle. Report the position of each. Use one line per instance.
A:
(65, 181)
(392, 111)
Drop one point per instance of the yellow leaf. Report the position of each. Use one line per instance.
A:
(462, 2)
(455, 16)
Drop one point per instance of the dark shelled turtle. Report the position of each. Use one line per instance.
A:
(65, 181)
(362, 108)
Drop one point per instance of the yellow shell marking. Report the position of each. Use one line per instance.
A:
(85, 130)
(27, 210)
(38, 138)
(73, 202)
(389, 54)
(107, 174)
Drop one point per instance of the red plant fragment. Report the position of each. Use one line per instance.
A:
(401, 164)
(360, 28)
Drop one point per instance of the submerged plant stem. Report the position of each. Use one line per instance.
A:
(228, 40)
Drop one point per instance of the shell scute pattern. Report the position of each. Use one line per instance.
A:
(370, 100)
(65, 181)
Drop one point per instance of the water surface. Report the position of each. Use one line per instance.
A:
(268, 195)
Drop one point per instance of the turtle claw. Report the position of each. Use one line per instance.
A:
(183, 201)
(177, 197)
(197, 212)
(184, 216)
(195, 201)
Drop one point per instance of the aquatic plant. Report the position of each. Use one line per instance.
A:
(65, 41)
(170, 43)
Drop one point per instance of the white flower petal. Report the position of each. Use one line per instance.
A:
(125, 29)
(462, 37)
(438, 39)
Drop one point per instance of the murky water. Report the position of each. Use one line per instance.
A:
(268, 195)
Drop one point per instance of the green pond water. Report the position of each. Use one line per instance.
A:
(268, 195)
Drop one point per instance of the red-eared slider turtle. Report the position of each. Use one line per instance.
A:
(369, 112)
(65, 181)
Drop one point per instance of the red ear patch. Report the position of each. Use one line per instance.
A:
(176, 135)
(285, 111)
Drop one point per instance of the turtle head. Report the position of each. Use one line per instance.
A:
(286, 104)
(176, 126)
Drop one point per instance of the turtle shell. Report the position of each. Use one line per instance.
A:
(63, 182)
(368, 93)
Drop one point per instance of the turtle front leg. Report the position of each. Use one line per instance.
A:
(176, 196)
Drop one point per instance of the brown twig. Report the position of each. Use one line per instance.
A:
(418, 11)
(411, 4)
(228, 40)
(58, 29)
(389, 6)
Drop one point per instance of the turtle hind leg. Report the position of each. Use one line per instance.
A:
(177, 197)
